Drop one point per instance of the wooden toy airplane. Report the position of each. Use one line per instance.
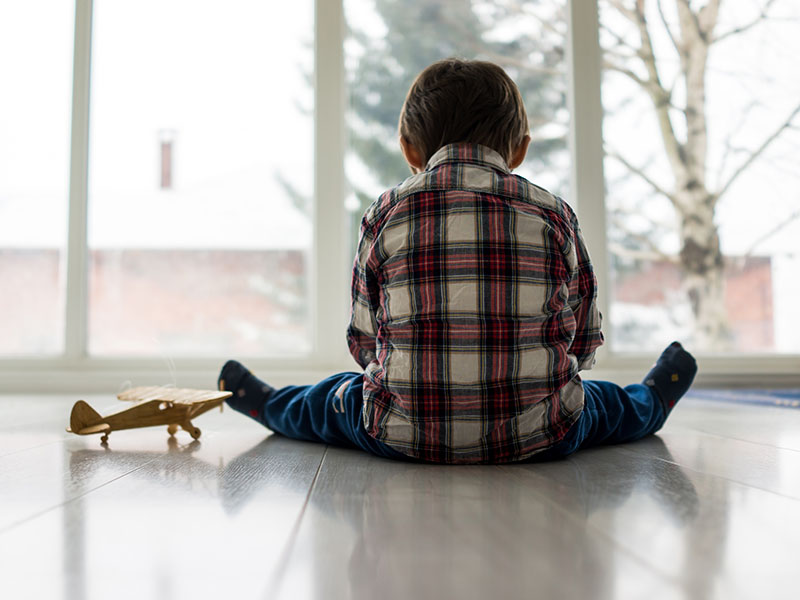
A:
(173, 407)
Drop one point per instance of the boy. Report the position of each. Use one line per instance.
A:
(473, 305)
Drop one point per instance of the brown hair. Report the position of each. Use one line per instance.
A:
(472, 101)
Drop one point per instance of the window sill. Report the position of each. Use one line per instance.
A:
(49, 375)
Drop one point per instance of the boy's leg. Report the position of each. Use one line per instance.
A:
(327, 412)
(619, 414)
(613, 414)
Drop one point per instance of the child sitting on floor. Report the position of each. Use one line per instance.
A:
(473, 305)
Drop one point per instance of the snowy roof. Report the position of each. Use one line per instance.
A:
(248, 213)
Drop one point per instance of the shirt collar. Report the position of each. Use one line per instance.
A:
(468, 153)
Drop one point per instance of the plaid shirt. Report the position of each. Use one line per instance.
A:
(473, 309)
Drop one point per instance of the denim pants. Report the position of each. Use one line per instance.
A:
(611, 415)
(327, 412)
(330, 412)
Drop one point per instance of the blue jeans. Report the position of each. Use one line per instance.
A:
(327, 412)
(330, 412)
(611, 415)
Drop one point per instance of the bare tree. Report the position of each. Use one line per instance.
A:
(691, 193)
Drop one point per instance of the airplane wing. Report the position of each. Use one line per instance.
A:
(169, 394)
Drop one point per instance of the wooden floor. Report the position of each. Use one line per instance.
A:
(707, 509)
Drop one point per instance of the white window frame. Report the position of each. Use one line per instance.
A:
(76, 371)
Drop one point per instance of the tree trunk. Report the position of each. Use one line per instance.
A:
(700, 255)
(703, 269)
(701, 260)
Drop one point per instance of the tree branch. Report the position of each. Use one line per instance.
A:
(668, 29)
(648, 249)
(729, 148)
(658, 94)
(707, 19)
(696, 29)
(617, 53)
(509, 61)
(546, 23)
(624, 10)
(644, 176)
(784, 222)
(610, 66)
(620, 40)
(651, 256)
(759, 151)
(737, 30)
(687, 15)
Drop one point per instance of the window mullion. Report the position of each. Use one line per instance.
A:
(77, 252)
(586, 136)
(329, 274)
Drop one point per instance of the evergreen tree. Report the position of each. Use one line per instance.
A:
(527, 39)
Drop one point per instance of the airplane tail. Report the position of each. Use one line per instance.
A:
(83, 416)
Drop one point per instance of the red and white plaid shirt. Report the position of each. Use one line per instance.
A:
(473, 309)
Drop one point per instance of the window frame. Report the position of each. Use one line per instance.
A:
(74, 370)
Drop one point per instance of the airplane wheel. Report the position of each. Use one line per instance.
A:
(104, 439)
(172, 429)
(195, 432)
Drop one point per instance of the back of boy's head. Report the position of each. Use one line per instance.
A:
(472, 101)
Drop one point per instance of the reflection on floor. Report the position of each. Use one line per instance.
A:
(708, 509)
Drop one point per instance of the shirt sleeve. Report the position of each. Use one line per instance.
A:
(583, 302)
(363, 327)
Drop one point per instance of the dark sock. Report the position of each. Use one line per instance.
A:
(672, 375)
(250, 394)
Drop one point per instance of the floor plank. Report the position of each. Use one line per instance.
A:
(375, 528)
(709, 508)
(30, 421)
(768, 425)
(769, 468)
(714, 537)
(148, 519)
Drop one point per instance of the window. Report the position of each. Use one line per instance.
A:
(202, 197)
(35, 68)
(197, 246)
(701, 164)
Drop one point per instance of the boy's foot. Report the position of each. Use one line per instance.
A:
(672, 375)
(250, 394)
